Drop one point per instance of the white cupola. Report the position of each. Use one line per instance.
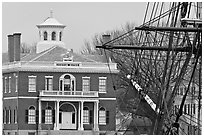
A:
(50, 34)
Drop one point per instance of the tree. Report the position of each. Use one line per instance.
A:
(26, 48)
(159, 73)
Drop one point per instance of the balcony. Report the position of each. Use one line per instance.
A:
(69, 93)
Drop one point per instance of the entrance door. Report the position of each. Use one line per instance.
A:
(67, 121)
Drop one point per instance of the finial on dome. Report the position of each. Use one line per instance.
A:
(51, 13)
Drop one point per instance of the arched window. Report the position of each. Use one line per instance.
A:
(53, 35)
(67, 82)
(86, 115)
(103, 116)
(48, 115)
(31, 115)
(60, 36)
(45, 35)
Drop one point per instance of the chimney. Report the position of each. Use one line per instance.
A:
(17, 46)
(10, 48)
(106, 38)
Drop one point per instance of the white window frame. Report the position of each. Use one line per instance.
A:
(31, 115)
(15, 116)
(29, 77)
(9, 116)
(48, 116)
(102, 116)
(48, 84)
(86, 118)
(101, 86)
(85, 86)
(5, 85)
(9, 85)
(16, 83)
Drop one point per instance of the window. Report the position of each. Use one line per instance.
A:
(67, 82)
(181, 90)
(188, 109)
(102, 84)
(60, 36)
(86, 83)
(194, 108)
(86, 115)
(5, 85)
(32, 84)
(31, 115)
(48, 115)
(102, 116)
(9, 88)
(185, 109)
(16, 83)
(53, 35)
(45, 35)
(48, 82)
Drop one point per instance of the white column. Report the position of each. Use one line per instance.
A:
(96, 116)
(82, 115)
(79, 116)
(39, 117)
(57, 115)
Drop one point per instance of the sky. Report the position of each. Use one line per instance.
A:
(82, 20)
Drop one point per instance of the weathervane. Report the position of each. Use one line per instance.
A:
(51, 13)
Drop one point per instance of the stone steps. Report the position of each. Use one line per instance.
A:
(72, 132)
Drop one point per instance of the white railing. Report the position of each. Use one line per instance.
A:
(69, 93)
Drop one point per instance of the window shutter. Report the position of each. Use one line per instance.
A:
(6, 116)
(3, 116)
(43, 116)
(53, 116)
(37, 114)
(107, 117)
(60, 117)
(91, 116)
(26, 115)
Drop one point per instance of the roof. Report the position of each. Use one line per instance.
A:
(57, 53)
(50, 21)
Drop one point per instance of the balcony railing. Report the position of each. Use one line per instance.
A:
(69, 93)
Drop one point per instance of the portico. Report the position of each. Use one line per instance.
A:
(69, 113)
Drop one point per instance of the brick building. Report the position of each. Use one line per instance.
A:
(54, 90)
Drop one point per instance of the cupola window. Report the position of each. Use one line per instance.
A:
(53, 36)
(60, 36)
(45, 35)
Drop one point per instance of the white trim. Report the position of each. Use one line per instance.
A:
(32, 76)
(9, 85)
(107, 98)
(102, 77)
(9, 116)
(32, 91)
(86, 77)
(16, 84)
(5, 85)
(48, 76)
(21, 97)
